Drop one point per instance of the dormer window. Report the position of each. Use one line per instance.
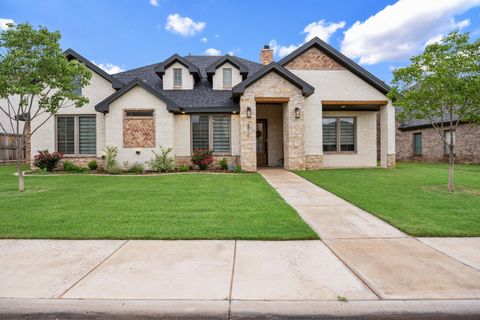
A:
(227, 78)
(177, 78)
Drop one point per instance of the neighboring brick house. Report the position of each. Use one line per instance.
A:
(417, 140)
(315, 108)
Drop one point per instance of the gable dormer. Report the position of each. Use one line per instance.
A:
(226, 72)
(177, 73)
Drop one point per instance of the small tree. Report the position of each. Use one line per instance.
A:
(442, 85)
(36, 80)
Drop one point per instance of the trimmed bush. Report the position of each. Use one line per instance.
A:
(183, 168)
(137, 168)
(45, 160)
(93, 165)
(223, 164)
(69, 166)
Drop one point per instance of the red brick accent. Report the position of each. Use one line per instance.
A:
(467, 149)
(313, 59)
(138, 132)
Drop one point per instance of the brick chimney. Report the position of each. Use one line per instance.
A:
(266, 55)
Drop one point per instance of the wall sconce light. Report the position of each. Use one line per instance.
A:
(297, 113)
(137, 151)
(249, 112)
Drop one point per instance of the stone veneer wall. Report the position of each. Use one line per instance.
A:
(313, 162)
(467, 148)
(313, 59)
(273, 86)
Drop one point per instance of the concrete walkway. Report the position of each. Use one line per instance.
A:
(383, 273)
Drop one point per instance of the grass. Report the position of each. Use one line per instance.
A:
(188, 206)
(413, 197)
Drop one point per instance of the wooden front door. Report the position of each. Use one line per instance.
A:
(262, 146)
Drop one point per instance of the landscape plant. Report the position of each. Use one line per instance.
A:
(202, 159)
(111, 165)
(46, 160)
(93, 165)
(183, 168)
(442, 85)
(36, 81)
(163, 161)
(137, 168)
(69, 166)
(223, 164)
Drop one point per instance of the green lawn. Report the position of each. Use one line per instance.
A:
(187, 206)
(412, 197)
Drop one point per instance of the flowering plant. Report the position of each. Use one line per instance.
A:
(45, 160)
(202, 158)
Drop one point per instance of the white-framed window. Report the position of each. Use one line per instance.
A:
(211, 132)
(177, 77)
(449, 138)
(227, 78)
(339, 134)
(76, 135)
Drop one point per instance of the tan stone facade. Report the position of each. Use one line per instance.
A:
(313, 162)
(467, 148)
(138, 132)
(273, 86)
(314, 59)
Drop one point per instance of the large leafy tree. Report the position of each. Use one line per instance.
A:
(36, 81)
(442, 85)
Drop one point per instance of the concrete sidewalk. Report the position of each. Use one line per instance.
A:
(380, 271)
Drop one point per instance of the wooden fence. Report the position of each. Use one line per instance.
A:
(7, 148)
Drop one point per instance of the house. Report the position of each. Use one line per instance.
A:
(418, 140)
(315, 108)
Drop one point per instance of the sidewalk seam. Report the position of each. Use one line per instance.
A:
(231, 280)
(93, 269)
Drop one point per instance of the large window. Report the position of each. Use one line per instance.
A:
(211, 132)
(417, 144)
(76, 135)
(449, 138)
(339, 134)
(77, 86)
(227, 78)
(177, 78)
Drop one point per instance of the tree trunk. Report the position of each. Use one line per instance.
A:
(451, 161)
(19, 150)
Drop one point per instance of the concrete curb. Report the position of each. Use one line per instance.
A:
(53, 309)
(196, 309)
(378, 310)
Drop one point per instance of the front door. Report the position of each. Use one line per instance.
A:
(262, 154)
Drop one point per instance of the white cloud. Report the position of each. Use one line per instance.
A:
(204, 40)
(213, 52)
(183, 25)
(231, 53)
(4, 22)
(154, 3)
(403, 29)
(109, 67)
(322, 29)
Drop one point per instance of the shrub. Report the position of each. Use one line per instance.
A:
(137, 168)
(202, 159)
(237, 169)
(163, 161)
(183, 168)
(93, 165)
(111, 165)
(69, 166)
(46, 160)
(223, 164)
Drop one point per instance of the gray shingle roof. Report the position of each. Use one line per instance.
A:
(412, 124)
(202, 98)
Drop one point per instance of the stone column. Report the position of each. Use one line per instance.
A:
(294, 134)
(248, 138)
(387, 136)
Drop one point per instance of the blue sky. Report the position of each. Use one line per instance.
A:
(121, 35)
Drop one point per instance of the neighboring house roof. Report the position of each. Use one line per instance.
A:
(104, 106)
(71, 54)
(413, 124)
(340, 58)
(307, 89)
(193, 69)
(202, 98)
(221, 61)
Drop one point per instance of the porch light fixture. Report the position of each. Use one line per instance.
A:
(137, 151)
(249, 112)
(297, 113)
